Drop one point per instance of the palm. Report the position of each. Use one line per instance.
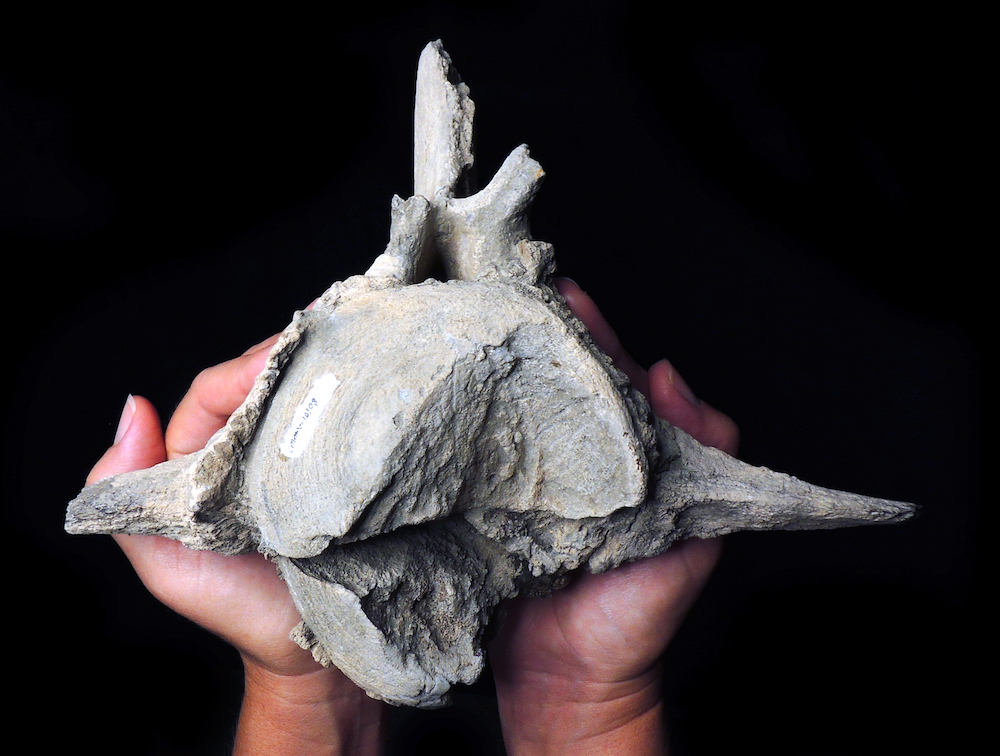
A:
(241, 599)
(608, 628)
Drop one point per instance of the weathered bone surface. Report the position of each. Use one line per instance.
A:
(416, 451)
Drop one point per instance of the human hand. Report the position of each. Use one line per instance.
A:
(291, 704)
(578, 672)
(589, 677)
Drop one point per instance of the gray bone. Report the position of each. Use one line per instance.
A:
(416, 451)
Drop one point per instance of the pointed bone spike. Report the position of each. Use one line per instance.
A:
(717, 494)
(442, 128)
(156, 501)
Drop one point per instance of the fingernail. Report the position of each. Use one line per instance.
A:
(570, 280)
(126, 419)
(682, 388)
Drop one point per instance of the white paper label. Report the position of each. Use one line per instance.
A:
(306, 417)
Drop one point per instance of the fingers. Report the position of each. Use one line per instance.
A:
(214, 395)
(265, 344)
(585, 309)
(138, 442)
(672, 399)
(669, 395)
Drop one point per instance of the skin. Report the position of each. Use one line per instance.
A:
(577, 672)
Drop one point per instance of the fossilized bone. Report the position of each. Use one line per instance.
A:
(416, 451)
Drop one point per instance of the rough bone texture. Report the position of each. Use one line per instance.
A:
(416, 451)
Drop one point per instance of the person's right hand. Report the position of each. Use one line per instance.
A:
(291, 704)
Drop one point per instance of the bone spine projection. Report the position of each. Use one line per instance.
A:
(415, 451)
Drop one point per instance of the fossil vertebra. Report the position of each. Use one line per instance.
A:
(415, 451)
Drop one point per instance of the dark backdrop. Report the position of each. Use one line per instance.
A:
(782, 205)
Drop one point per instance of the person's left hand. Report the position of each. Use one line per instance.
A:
(578, 672)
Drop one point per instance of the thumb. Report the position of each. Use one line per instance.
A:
(138, 441)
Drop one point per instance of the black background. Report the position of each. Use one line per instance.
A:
(786, 206)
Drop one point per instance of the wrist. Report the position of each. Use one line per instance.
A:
(556, 716)
(319, 712)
